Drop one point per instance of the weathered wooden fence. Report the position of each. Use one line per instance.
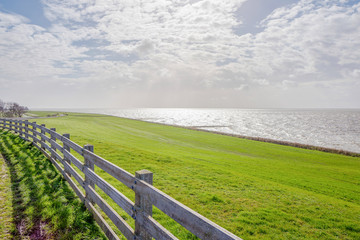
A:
(146, 227)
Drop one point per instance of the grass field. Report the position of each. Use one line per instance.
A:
(256, 190)
(6, 224)
(35, 201)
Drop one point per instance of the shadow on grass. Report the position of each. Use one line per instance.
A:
(44, 205)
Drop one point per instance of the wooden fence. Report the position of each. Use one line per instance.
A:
(58, 149)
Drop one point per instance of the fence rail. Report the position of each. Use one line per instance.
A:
(146, 196)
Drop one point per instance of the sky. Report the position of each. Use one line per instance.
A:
(180, 53)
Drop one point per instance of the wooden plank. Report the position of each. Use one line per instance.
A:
(72, 171)
(115, 171)
(29, 135)
(68, 179)
(74, 187)
(28, 129)
(36, 140)
(23, 138)
(101, 221)
(154, 228)
(44, 137)
(55, 134)
(56, 145)
(56, 155)
(33, 124)
(119, 222)
(12, 125)
(74, 160)
(73, 145)
(98, 218)
(204, 228)
(113, 193)
(44, 128)
(59, 168)
(45, 146)
(19, 127)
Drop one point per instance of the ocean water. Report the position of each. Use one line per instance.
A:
(337, 128)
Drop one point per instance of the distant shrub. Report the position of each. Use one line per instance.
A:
(11, 109)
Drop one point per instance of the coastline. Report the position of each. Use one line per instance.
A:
(260, 139)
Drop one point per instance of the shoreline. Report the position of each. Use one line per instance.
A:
(259, 139)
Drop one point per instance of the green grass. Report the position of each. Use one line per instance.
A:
(256, 190)
(36, 202)
(6, 224)
(43, 114)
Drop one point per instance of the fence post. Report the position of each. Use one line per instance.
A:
(23, 129)
(67, 148)
(88, 163)
(53, 145)
(16, 126)
(19, 127)
(34, 131)
(26, 129)
(143, 204)
(21, 133)
(42, 138)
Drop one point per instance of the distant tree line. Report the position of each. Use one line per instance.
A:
(11, 109)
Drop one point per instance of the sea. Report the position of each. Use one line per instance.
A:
(330, 128)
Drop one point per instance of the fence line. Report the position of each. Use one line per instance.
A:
(146, 195)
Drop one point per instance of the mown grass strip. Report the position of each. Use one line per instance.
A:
(44, 206)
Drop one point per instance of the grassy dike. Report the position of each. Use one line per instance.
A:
(256, 190)
(35, 201)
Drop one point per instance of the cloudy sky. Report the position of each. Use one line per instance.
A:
(180, 53)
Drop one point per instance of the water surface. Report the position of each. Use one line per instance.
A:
(339, 129)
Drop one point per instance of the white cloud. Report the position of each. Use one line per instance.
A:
(182, 46)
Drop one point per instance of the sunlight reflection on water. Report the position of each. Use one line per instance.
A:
(338, 129)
